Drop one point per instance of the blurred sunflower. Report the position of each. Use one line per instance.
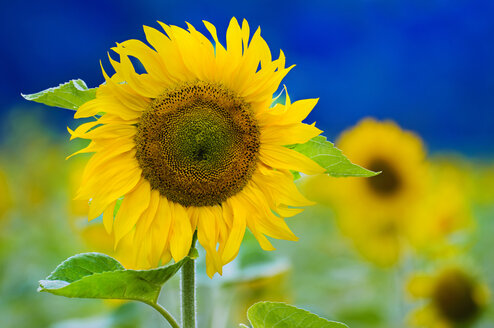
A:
(384, 146)
(192, 143)
(455, 298)
(376, 213)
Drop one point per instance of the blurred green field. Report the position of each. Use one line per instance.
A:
(327, 271)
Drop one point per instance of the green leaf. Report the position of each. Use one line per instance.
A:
(70, 95)
(331, 158)
(95, 275)
(281, 315)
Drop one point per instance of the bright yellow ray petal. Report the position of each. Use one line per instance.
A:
(133, 205)
(161, 230)
(148, 57)
(168, 52)
(207, 235)
(269, 223)
(121, 183)
(181, 236)
(288, 159)
(297, 133)
(138, 83)
(279, 188)
(124, 94)
(146, 219)
(234, 39)
(252, 223)
(237, 231)
(108, 217)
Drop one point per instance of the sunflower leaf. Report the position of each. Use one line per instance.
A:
(95, 275)
(324, 153)
(70, 95)
(281, 315)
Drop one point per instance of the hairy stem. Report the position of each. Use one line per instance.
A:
(188, 289)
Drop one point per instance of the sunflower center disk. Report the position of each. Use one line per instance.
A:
(198, 144)
(454, 297)
(388, 182)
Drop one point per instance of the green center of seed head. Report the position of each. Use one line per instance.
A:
(203, 139)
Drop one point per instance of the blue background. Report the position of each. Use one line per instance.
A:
(429, 65)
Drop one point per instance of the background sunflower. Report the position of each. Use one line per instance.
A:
(454, 298)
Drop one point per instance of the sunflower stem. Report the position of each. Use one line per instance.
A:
(188, 288)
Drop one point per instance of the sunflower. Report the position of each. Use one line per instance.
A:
(399, 154)
(376, 213)
(193, 144)
(455, 298)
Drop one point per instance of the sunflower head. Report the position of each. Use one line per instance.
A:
(398, 154)
(376, 212)
(455, 298)
(194, 144)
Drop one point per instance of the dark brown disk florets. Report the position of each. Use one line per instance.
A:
(454, 297)
(198, 144)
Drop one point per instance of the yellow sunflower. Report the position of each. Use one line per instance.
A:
(376, 213)
(455, 298)
(192, 143)
(399, 154)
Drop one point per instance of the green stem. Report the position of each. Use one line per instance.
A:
(171, 320)
(188, 289)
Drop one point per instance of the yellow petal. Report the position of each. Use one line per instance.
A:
(168, 52)
(283, 158)
(160, 230)
(133, 205)
(147, 56)
(207, 235)
(124, 94)
(108, 217)
(268, 223)
(234, 39)
(297, 133)
(237, 230)
(279, 188)
(107, 104)
(181, 235)
(139, 83)
(252, 223)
